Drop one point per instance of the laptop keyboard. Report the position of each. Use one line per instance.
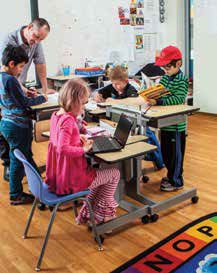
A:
(106, 144)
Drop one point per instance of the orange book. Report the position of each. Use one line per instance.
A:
(154, 92)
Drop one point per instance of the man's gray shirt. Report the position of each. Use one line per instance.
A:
(34, 52)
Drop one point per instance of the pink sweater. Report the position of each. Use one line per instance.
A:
(67, 170)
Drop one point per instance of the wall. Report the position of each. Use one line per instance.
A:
(172, 31)
(91, 29)
(14, 14)
(205, 55)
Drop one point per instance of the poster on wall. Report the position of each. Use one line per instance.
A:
(140, 3)
(133, 19)
(133, 3)
(140, 21)
(139, 41)
(124, 15)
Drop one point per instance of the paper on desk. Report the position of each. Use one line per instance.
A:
(107, 127)
(53, 98)
(97, 131)
(91, 105)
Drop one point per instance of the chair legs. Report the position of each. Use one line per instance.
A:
(30, 218)
(94, 228)
(46, 238)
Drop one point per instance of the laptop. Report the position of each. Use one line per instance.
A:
(104, 144)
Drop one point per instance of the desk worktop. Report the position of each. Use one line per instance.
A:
(129, 151)
(132, 139)
(165, 111)
(72, 76)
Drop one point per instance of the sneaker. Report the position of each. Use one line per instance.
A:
(23, 198)
(164, 180)
(6, 173)
(169, 187)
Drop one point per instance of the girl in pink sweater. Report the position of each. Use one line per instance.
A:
(67, 170)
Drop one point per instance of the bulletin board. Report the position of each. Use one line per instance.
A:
(92, 30)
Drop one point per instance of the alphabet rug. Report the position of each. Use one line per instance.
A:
(192, 249)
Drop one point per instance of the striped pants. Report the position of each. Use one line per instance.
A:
(101, 196)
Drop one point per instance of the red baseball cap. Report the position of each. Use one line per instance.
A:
(168, 54)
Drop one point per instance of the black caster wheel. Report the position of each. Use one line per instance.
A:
(89, 228)
(51, 208)
(101, 238)
(145, 219)
(154, 218)
(41, 206)
(195, 199)
(145, 179)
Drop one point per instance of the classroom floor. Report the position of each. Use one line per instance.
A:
(71, 247)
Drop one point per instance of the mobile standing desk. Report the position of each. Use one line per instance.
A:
(132, 151)
(157, 117)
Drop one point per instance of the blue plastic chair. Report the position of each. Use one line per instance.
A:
(40, 190)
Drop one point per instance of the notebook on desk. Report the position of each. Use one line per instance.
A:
(103, 144)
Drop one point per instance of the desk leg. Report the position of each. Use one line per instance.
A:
(133, 186)
(133, 211)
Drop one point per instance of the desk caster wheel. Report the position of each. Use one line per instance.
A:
(145, 179)
(50, 208)
(154, 218)
(195, 199)
(145, 219)
(41, 206)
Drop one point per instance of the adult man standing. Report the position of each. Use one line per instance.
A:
(29, 37)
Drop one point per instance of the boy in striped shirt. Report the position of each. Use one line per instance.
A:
(173, 138)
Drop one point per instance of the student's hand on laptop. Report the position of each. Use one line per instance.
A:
(83, 139)
(88, 145)
(98, 98)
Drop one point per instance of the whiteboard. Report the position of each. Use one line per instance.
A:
(87, 29)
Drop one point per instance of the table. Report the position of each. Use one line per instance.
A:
(58, 81)
(130, 152)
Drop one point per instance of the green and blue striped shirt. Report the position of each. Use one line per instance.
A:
(177, 85)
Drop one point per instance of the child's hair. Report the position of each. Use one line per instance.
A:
(118, 73)
(71, 93)
(173, 62)
(14, 53)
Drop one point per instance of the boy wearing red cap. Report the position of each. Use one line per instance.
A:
(173, 137)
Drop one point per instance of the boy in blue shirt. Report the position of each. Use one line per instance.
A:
(16, 124)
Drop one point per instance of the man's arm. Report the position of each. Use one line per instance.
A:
(42, 74)
(40, 64)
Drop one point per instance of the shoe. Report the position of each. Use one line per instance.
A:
(169, 187)
(6, 175)
(23, 198)
(164, 180)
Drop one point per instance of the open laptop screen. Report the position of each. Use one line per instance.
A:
(123, 129)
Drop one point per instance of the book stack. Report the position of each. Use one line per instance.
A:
(154, 92)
